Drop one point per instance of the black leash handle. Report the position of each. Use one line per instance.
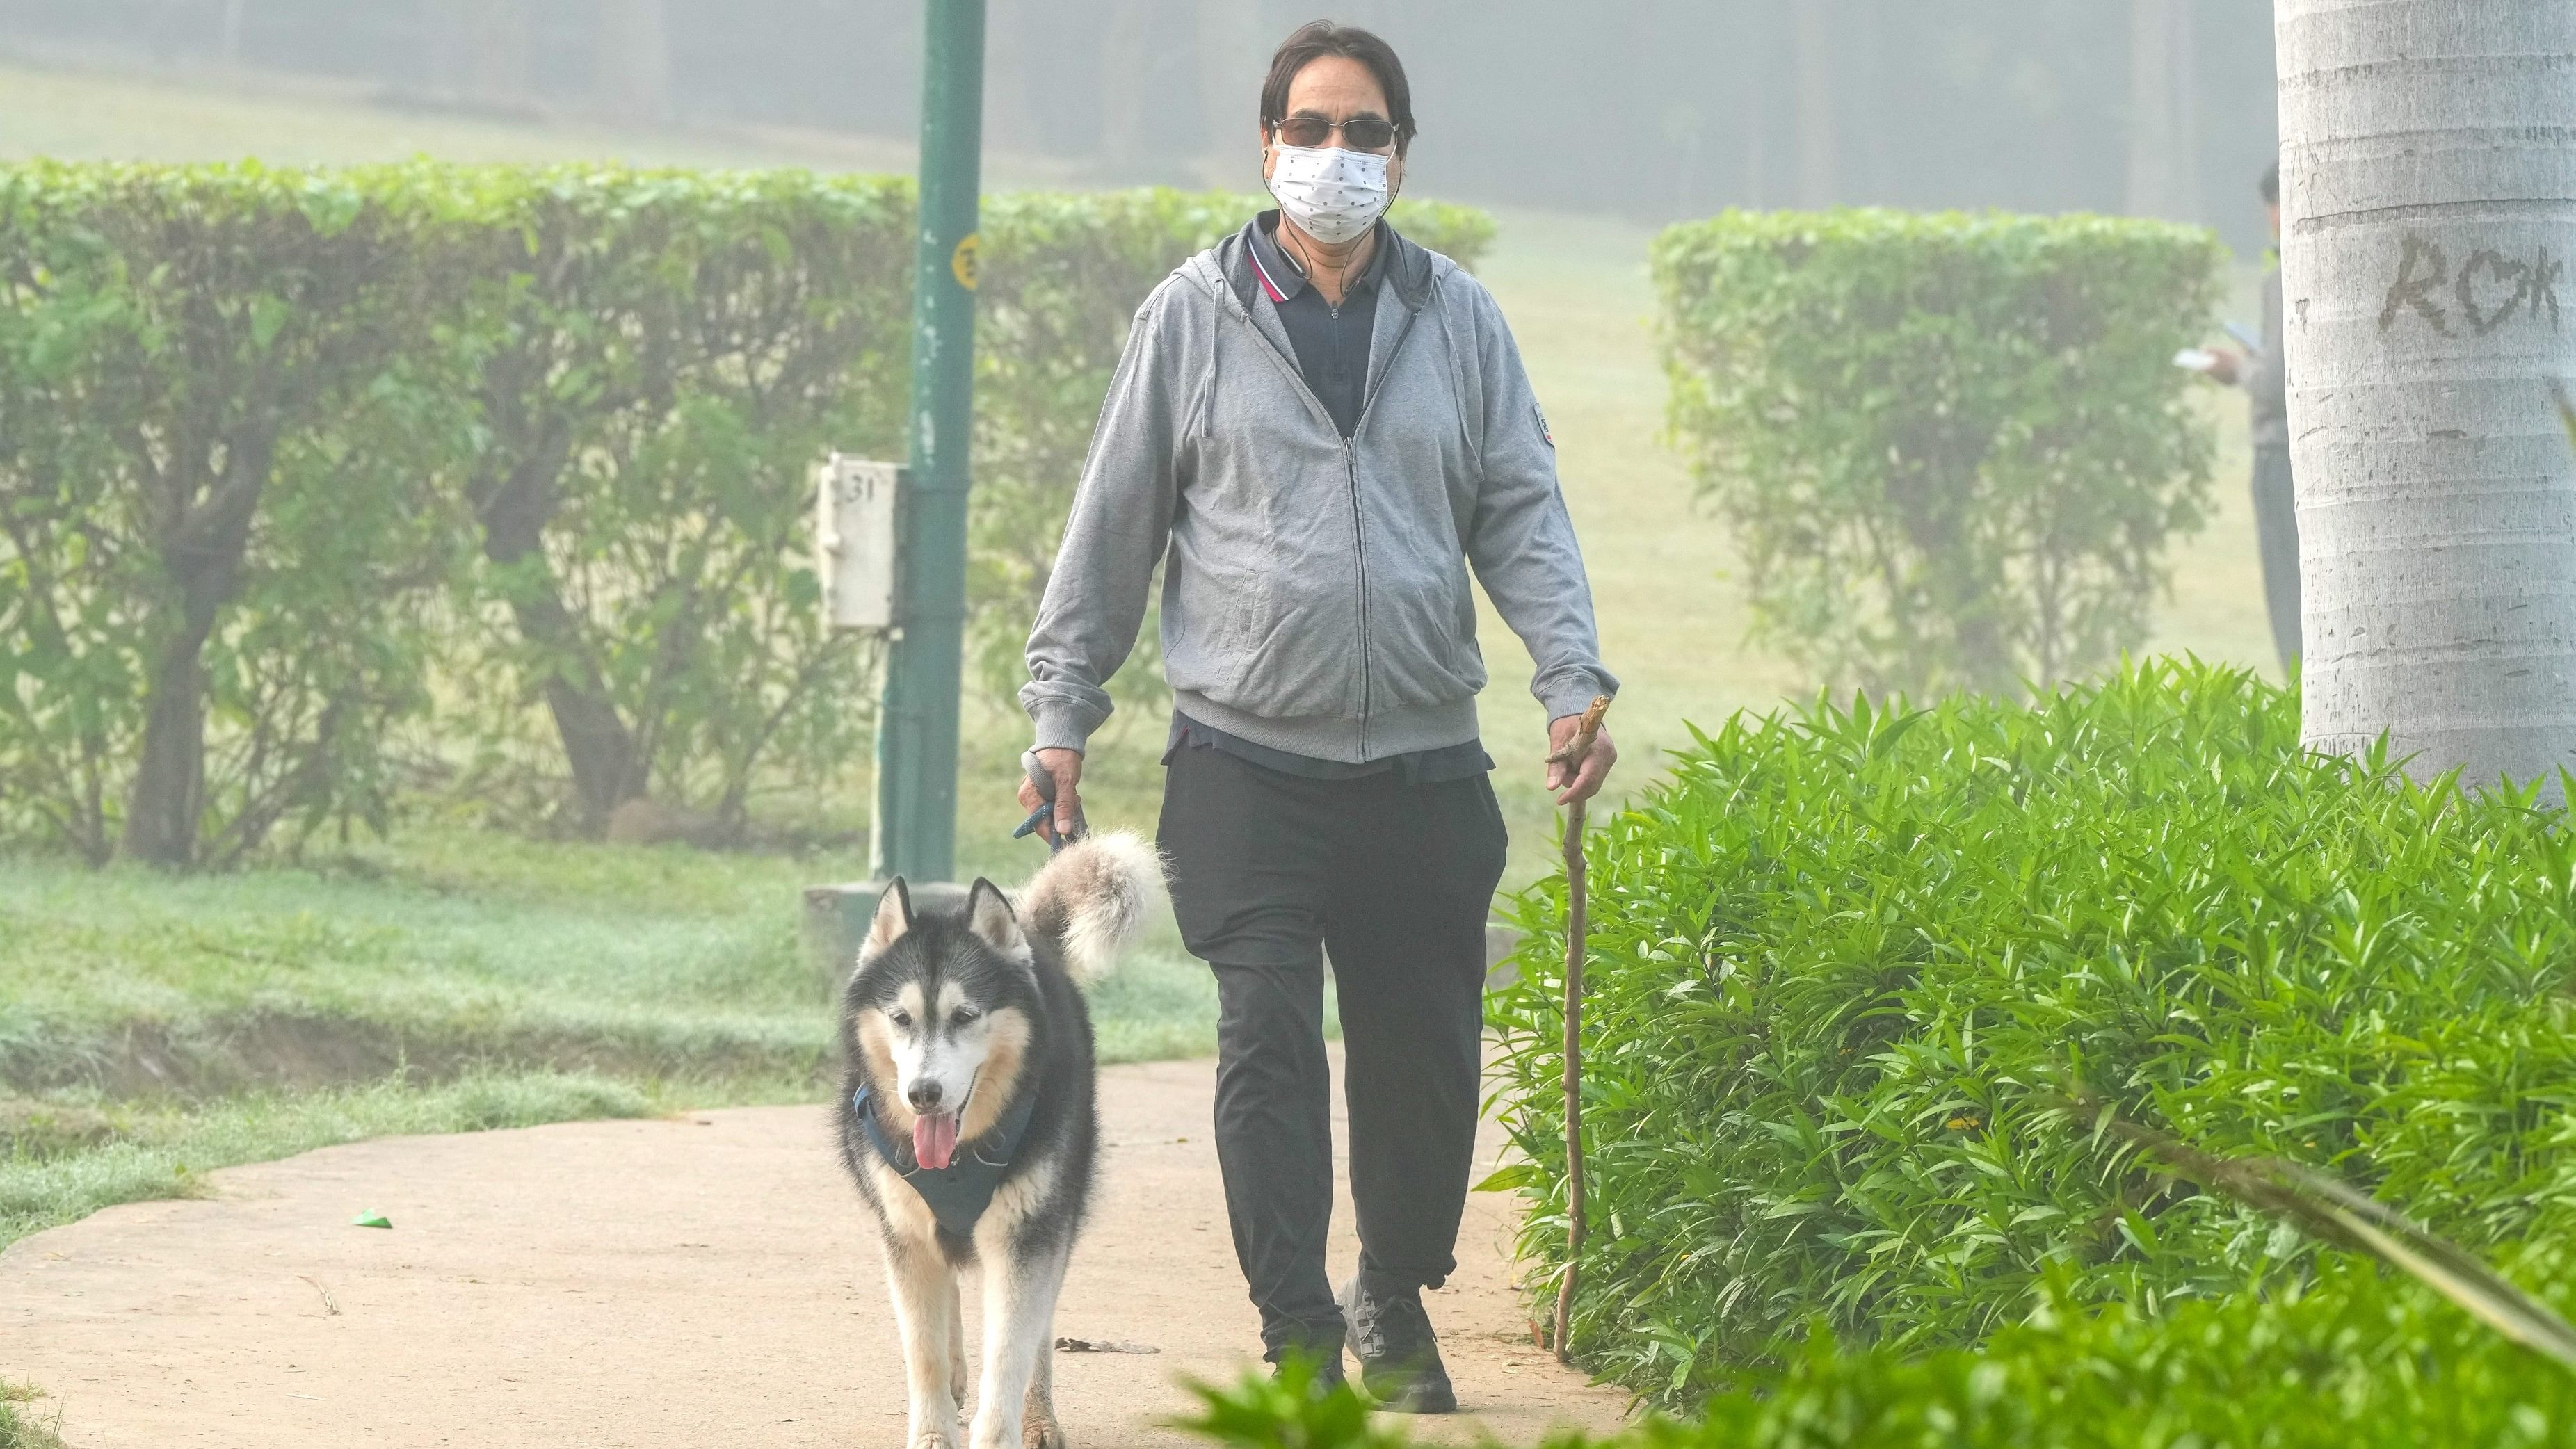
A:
(1042, 780)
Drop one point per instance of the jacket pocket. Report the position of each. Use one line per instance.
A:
(1422, 632)
(1415, 484)
(1270, 628)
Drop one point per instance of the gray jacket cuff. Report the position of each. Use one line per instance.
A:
(1573, 696)
(1060, 727)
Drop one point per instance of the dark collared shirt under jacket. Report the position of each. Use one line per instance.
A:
(1332, 342)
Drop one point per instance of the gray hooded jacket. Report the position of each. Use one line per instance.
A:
(1315, 593)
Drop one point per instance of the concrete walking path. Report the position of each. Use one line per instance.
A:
(699, 1281)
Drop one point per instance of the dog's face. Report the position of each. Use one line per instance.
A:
(942, 1012)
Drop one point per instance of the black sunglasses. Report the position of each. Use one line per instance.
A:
(1365, 133)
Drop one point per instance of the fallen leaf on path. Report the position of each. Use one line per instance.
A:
(1102, 1345)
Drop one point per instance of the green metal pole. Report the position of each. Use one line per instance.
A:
(916, 816)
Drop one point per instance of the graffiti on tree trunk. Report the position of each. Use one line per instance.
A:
(2485, 293)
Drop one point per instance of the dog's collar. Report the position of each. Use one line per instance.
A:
(958, 1193)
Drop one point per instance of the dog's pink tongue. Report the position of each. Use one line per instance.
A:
(934, 1139)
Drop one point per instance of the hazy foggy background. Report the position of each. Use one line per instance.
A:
(1650, 109)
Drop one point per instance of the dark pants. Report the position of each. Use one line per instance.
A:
(2276, 533)
(1395, 880)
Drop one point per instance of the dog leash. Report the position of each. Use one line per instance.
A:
(1042, 780)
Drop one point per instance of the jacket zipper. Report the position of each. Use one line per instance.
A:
(1359, 543)
(1359, 553)
(1376, 384)
(1351, 473)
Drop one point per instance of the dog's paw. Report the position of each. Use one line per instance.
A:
(1042, 1432)
(933, 1439)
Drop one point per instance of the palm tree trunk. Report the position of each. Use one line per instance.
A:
(2429, 169)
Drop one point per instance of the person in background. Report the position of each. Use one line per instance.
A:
(1320, 429)
(2265, 377)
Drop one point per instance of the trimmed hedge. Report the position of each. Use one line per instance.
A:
(214, 541)
(1851, 967)
(1953, 447)
(313, 481)
(656, 362)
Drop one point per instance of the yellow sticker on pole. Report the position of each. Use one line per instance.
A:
(961, 262)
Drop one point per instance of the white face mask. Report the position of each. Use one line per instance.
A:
(1333, 195)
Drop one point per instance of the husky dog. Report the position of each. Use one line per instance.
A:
(967, 1120)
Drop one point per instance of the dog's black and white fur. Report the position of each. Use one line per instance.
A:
(965, 1013)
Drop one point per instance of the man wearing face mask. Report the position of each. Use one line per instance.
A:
(1318, 429)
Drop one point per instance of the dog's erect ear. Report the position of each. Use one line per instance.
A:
(894, 917)
(989, 916)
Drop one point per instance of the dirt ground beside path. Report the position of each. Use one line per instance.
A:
(709, 1280)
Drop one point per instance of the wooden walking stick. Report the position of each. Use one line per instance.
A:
(1572, 757)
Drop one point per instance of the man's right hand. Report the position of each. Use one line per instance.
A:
(2225, 366)
(1066, 767)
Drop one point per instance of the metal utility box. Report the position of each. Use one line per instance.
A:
(855, 508)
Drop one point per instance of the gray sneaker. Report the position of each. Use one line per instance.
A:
(1399, 1357)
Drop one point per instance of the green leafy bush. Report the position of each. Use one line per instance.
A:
(660, 359)
(1852, 969)
(2355, 1363)
(1953, 447)
(261, 420)
(1260, 1411)
(215, 532)
(288, 457)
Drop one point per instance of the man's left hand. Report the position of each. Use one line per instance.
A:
(1573, 786)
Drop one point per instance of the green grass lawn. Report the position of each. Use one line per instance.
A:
(152, 1029)
(24, 1423)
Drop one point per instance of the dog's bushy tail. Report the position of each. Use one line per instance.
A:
(1093, 899)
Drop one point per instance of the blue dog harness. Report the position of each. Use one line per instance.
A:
(958, 1193)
